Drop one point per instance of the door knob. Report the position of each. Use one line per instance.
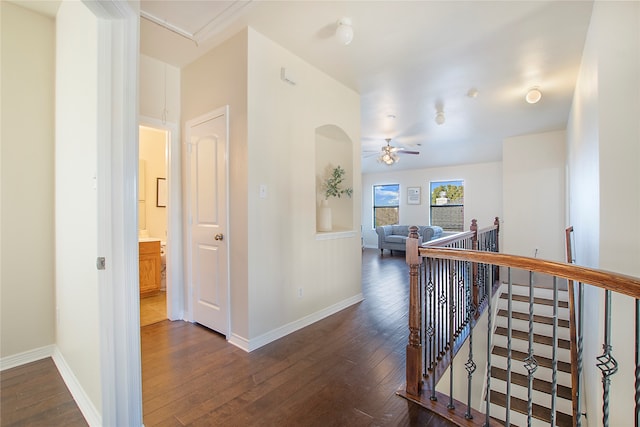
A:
(219, 236)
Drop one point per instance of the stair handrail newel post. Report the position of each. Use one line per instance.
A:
(414, 347)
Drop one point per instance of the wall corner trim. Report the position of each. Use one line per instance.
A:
(26, 357)
(264, 339)
(89, 411)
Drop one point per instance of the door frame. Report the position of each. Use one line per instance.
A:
(188, 238)
(117, 165)
(175, 287)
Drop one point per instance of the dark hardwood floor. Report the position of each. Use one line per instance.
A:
(35, 395)
(341, 371)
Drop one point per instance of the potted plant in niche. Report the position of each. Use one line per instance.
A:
(331, 187)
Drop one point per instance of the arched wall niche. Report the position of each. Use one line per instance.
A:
(333, 148)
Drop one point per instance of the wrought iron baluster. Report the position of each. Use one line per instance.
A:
(442, 309)
(606, 362)
(509, 333)
(452, 313)
(470, 366)
(580, 324)
(530, 362)
(637, 379)
(554, 354)
(488, 385)
(432, 330)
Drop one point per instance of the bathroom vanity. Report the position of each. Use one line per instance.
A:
(150, 266)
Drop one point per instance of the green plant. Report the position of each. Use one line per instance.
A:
(332, 184)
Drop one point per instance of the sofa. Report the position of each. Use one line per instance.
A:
(394, 237)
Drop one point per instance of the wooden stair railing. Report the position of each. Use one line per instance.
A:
(445, 325)
(445, 259)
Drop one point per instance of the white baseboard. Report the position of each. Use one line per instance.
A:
(240, 342)
(89, 411)
(264, 339)
(26, 357)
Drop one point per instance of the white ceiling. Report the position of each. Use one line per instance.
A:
(406, 58)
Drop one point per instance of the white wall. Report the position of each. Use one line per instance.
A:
(604, 183)
(533, 191)
(76, 213)
(27, 318)
(284, 254)
(482, 194)
(159, 90)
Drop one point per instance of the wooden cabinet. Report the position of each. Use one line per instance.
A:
(150, 267)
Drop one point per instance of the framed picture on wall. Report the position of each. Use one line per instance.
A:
(161, 192)
(413, 195)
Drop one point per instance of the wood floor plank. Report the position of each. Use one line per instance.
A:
(34, 394)
(342, 370)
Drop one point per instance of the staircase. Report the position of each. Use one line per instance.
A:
(543, 342)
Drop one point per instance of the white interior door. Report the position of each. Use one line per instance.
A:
(207, 148)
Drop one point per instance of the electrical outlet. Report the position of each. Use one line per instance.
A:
(299, 292)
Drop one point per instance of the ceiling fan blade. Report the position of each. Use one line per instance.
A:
(408, 152)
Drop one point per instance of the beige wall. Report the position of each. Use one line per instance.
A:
(284, 254)
(604, 184)
(216, 79)
(533, 191)
(482, 194)
(27, 233)
(272, 143)
(76, 213)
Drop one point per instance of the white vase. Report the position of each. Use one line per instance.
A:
(324, 216)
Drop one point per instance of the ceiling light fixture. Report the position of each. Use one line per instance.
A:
(388, 155)
(472, 93)
(344, 32)
(440, 117)
(533, 95)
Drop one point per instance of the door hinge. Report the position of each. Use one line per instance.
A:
(100, 263)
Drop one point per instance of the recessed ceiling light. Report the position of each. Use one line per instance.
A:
(533, 95)
(472, 93)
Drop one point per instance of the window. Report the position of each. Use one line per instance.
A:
(386, 202)
(447, 204)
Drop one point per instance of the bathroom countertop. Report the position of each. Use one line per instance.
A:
(148, 239)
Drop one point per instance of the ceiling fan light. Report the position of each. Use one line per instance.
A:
(440, 117)
(344, 32)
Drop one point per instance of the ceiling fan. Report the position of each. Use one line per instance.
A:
(389, 154)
